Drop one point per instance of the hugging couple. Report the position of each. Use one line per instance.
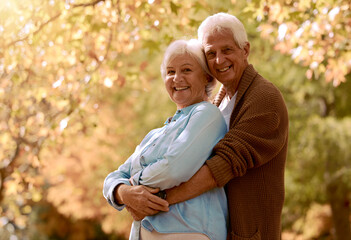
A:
(213, 170)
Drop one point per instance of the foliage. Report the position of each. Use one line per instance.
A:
(319, 132)
(60, 61)
(314, 33)
(80, 87)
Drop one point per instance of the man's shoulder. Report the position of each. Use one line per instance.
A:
(260, 83)
(264, 93)
(256, 83)
(263, 88)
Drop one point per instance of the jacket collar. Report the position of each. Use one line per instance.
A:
(246, 79)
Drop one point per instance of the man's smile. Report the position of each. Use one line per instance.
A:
(224, 69)
(180, 88)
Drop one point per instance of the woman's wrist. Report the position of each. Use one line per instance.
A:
(118, 193)
(161, 194)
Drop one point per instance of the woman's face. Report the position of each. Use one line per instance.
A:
(185, 81)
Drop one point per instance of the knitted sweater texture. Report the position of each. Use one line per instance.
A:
(250, 160)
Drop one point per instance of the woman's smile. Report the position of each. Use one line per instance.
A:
(185, 81)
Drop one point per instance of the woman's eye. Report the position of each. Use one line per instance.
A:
(170, 72)
(187, 70)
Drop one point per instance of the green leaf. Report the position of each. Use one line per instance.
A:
(174, 8)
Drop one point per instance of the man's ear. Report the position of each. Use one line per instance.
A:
(247, 49)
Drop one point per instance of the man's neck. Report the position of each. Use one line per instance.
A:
(231, 90)
(233, 86)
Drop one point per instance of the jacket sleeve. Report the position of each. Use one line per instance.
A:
(187, 153)
(257, 134)
(120, 176)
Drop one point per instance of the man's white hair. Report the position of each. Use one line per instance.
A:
(220, 22)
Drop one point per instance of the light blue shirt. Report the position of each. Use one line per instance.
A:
(170, 155)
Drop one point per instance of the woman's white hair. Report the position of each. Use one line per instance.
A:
(220, 22)
(194, 48)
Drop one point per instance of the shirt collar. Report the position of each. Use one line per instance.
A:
(184, 111)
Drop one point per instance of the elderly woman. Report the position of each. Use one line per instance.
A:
(172, 154)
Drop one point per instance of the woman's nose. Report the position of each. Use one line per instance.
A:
(176, 77)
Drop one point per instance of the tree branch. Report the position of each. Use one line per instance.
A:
(4, 171)
(52, 19)
(36, 31)
(87, 4)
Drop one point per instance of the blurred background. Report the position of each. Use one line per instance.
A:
(80, 87)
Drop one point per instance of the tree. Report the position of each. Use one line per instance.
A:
(79, 81)
(315, 35)
(59, 61)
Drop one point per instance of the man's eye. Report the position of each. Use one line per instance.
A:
(170, 72)
(186, 70)
(210, 54)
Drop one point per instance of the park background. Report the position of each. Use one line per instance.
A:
(80, 87)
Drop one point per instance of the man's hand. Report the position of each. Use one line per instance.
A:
(140, 200)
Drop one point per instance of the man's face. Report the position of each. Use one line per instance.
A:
(225, 59)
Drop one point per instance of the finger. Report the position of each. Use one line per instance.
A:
(159, 201)
(136, 216)
(152, 190)
(141, 213)
(149, 211)
(158, 207)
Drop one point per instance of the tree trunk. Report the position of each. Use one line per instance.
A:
(338, 198)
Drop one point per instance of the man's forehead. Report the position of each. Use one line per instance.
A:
(218, 32)
(218, 42)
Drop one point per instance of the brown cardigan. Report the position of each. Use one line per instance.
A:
(250, 159)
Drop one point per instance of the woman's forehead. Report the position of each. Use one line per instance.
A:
(182, 59)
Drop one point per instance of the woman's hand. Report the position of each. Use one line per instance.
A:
(135, 215)
(140, 200)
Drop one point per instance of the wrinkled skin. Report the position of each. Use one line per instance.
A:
(140, 201)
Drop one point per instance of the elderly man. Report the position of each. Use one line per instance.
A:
(250, 160)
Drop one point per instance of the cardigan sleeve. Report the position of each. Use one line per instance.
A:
(257, 134)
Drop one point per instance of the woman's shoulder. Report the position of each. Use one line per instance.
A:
(206, 106)
(207, 109)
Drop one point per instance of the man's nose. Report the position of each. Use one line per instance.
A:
(219, 58)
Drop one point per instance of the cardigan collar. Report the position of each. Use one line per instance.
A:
(248, 76)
